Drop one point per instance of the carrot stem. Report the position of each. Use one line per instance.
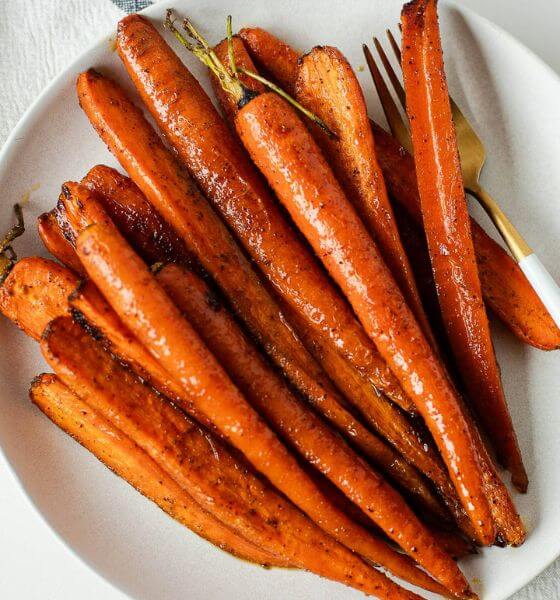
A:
(8, 257)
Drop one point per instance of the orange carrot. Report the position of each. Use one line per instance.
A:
(504, 286)
(380, 415)
(447, 225)
(155, 171)
(154, 239)
(22, 297)
(120, 454)
(135, 295)
(222, 170)
(273, 56)
(55, 242)
(210, 474)
(327, 85)
(293, 421)
(285, 152)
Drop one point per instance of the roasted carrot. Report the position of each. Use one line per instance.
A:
(295, 423)
(505, 288)
(78, 207)
(55, 242)
(95, 311)
(22, 297)
(125, 458)
(501, 504)
(154, 169)
(201, 466)
(222, 170)
(448, 232)
(327, 85)
(154, 239)
(284, 150)
(135, 295)
(382, 417)
(272, 56)
(243, 61)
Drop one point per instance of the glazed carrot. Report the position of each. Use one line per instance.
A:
(22, 297)
(393, 425)
(285, 152)
(135, 295)
(79, 207)
(120, 454)
(154, 169)
(95, 311)
(504, 286)
(327, 85)
(293, 421)
(154, 239)
(506, 290)
(273, 56)
(447, 225)
(222, 170)
(201, 466)
(55, 242)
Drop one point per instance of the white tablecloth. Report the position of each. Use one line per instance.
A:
(38, 38)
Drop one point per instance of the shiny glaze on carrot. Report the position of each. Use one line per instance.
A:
(154, 238)
(222, 170)
(138, 299)
(125, 458)
(198, 464)
(447, 225)
(327, 85)
(53, 237)
(156, 172)
(284, 150)
(300, 427)
(22, 295)
(272, 56)
(505, 288)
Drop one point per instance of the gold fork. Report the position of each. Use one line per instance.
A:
(473, 156)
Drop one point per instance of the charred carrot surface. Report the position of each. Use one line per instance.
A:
(158, 324)
(125, 458)
(293, 421)
(327, 85)
(272, 56)
(202, 466)
(285, 152)
(55, 242)
(447, 225)
(154, 239)
(222, 170)
(156, 172)
(23, 298)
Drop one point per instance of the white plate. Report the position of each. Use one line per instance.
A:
(515, 102)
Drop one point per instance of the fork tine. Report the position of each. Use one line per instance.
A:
(394, 45)
(395, 81)
(396, 122)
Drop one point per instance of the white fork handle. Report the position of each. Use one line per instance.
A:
(543, 284)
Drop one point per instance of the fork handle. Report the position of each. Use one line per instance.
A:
(543, 284)
(540, 279)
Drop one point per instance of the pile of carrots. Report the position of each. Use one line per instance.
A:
(243, 330)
